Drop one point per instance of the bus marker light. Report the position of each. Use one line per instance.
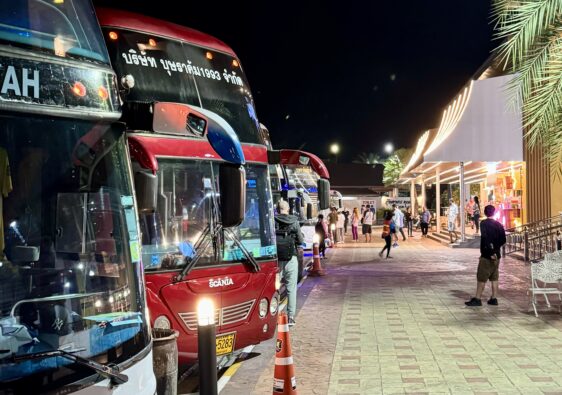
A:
(103, 93)
(152, 42)
(79, 89)
(235, 63)
(113, 35)
(209, 55)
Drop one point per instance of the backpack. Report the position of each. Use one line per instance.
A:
(286, 244)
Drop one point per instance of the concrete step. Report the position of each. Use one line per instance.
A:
(443, 238)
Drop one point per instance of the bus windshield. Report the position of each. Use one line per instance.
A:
(187, 205)
(62, 28)
(70, 274)
(302, 177)
(179, 72)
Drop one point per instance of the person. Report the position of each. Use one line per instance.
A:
(332, 221)
(470, 212)
(399, 221)
(491, 240)
(452, 220)
(322, 231)
(339, 227)
(355, 218)
(367, 223)
(346, 222)
(289, 238)
(386, 234)
(476, 215)
(409, 221)
(424, 221)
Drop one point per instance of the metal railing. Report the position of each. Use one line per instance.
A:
(534, 239)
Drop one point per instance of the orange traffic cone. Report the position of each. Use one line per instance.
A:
(284, 381)
(316, 265)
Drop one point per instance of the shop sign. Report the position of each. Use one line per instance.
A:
(400, 202)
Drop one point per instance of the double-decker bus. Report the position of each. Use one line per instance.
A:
(73, 316)
(185, 96)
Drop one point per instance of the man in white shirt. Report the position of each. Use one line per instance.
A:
(398, 218)
(452, 220)
(367, 223)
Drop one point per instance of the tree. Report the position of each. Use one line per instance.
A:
(393, 166)
(369, 158)
(531, 34)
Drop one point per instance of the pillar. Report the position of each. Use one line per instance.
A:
(461, 203)
(423, 193)
(413, 197)
(438, 200)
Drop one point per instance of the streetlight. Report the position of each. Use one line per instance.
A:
(388, 148)
(335, 149)
(207, 348)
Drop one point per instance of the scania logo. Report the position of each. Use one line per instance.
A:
(221, 282)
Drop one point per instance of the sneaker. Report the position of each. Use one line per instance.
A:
(389, 257)
(292, 321)
(493, 302)
(380, 254)
(473, 302)
(396, 246)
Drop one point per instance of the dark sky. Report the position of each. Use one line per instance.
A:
(360, 73)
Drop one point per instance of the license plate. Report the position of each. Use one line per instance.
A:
(225, 343)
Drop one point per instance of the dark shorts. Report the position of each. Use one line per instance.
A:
(488, 269)
(393, 230)
(367, 229)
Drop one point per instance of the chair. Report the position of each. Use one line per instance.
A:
(546, 272)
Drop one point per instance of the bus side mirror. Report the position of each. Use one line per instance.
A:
(309, 211)
(146, 186)
(323, 193)
(232, 184)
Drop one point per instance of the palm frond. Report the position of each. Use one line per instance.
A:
(520, 23)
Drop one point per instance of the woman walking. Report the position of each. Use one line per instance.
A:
(409, 221)
(476, 214)
(386, 234)
(355, 218)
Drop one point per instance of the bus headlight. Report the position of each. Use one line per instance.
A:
(274, 305)
(162, 322)
(263, 307)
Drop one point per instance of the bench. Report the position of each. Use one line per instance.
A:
(546, 278)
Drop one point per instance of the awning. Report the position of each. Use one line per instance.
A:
(483, 124)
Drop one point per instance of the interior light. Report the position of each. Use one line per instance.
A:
(79, 89)
(152, 42)
(103, 93)
(235, 63)
(58, 1)
(13, 224)
(209, 55)
(97, 303)
(113, 35)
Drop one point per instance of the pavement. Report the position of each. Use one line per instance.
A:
(400, 326)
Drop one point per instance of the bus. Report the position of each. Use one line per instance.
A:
(73, 314)
(187, 106)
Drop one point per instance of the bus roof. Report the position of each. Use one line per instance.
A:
(129, 20)
(293, 157)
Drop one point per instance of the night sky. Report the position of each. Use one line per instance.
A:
(359, 73)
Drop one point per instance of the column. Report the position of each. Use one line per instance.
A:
(423, 203)
(413, 196)
(461, 203)
(438, 199)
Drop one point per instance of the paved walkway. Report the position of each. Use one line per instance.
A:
(399, 326)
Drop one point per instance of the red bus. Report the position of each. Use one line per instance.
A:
(182, 88)
(72, 300)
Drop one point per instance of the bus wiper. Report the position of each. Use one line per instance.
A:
(201, 245)
(253, 263)
(109, 372)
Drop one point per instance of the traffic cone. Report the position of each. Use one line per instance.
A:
(316, 265)
(284, 381)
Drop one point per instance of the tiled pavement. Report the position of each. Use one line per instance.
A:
(399, 326)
